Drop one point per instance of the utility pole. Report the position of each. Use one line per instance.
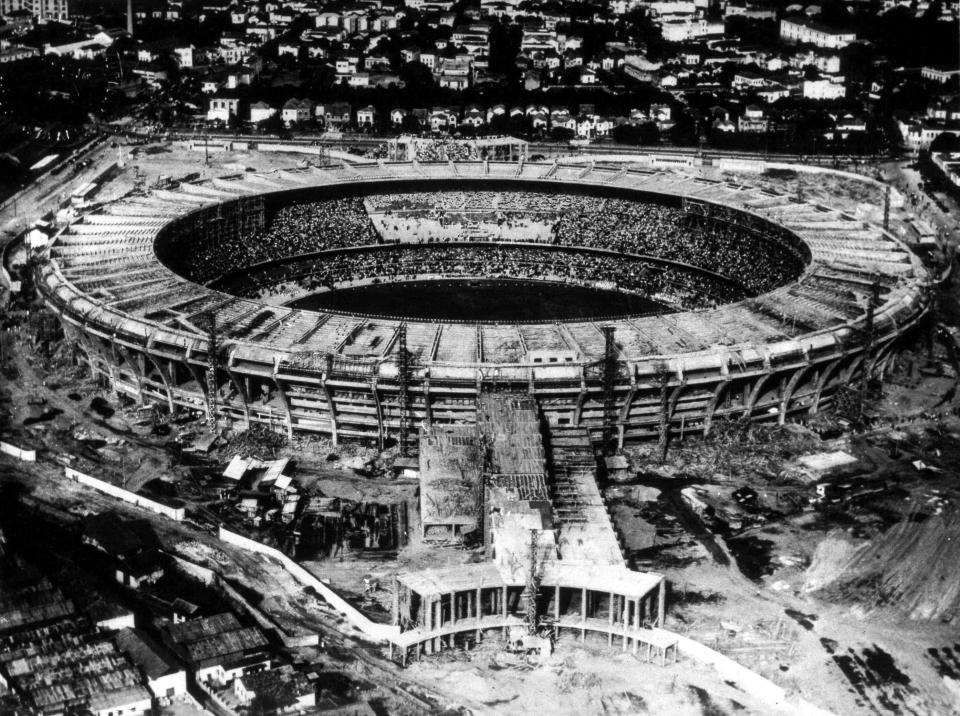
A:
(886, 209)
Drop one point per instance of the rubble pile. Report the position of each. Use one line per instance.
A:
(258, 442)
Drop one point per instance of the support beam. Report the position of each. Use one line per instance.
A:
(282, 394)
(163, 378)
(788, 393)
(755, 394)
(376, 403)
(330, 409)
(825, 375)
(662, 603)
(711, 408)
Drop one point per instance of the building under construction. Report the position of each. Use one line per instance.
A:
(554, 559)
(146, 328)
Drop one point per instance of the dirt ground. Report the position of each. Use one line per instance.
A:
(752, 593)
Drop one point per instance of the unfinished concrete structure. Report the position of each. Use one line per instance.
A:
(775, 355)
(555, 560)
(450, 489)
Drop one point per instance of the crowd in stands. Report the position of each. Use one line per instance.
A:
(618, 225)
(445, 150)
(295, 229)
(668, 285)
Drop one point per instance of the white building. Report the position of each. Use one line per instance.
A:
(681, 30)
(919, 135)
(40, 9)
(814, 33)
(824, 89)
(222, 108)
(165, 678)
(184, 55)
(296, 111)
(366, 116)
(127, 701)
(937, 74)
(261, 111)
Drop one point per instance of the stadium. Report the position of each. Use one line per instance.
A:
(675, 301)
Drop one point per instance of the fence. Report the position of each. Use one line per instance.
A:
(749, 681)
(174, 513)
(18, 452)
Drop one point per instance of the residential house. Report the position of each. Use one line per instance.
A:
(367, 116)
(261, 111)
(753, 120)
(296, 111)
(824, 89)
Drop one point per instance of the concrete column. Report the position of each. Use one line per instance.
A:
(624, 619)
(662, 603)
(453, 608)
(610, 609)
(478, 604)
(556, 603)
(396, 605)
(583, 613)
(503, 608)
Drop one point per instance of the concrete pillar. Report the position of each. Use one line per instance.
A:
(624, 619)
(478, 604)
(396, 605)
(453, 608)
(611, 606)
(583, 613)
(662, 603)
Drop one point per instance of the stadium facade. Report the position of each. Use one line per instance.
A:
(162, 338)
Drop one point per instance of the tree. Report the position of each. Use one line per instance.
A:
(561, 134)
(410, 124)
(945, 143)
(627, 134)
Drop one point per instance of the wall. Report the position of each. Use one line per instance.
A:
(18, 452)
(291, 148)
(176, 681)
(372, 629)
(745, 679)
(174, 513)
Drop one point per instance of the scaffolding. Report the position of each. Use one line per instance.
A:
(868, 349)
(403, 378)
(213, 354)
(609, 398)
